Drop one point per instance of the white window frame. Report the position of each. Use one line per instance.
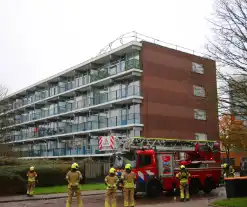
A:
(199, 91)
(200, 114)
(197, 68)
(201, 136)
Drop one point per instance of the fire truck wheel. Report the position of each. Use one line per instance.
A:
(208, 185)
(154, 188)
(195, 186)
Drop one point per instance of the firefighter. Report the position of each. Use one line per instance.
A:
(111, 181)
(31, 180)
(183, 177)
(129, 179)
(73, 177)
(228, 171)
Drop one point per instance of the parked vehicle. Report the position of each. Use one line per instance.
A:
(156, 162)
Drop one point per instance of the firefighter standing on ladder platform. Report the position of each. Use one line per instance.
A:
(129, 179)
(183, 177)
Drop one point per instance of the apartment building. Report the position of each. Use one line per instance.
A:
(137, 89)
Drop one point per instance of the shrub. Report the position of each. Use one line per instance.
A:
(50, 173)
(13, 178)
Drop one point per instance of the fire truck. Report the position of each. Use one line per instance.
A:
(155, 161)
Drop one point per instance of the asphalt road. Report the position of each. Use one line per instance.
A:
(98, 201)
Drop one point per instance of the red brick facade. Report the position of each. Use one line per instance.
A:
(169, 101)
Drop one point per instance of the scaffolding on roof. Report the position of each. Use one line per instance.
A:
(135, 36)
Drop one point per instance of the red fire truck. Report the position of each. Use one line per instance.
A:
(156, 162)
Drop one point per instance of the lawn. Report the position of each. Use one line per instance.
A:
(64, 188)
(233, 202)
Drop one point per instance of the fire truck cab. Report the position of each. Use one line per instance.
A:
(156, 162)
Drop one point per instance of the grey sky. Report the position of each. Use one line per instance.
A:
(39, 38)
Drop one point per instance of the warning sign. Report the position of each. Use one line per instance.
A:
(106, 143)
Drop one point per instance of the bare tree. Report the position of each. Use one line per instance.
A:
(3, 91)
(3, 119)
(229, 48)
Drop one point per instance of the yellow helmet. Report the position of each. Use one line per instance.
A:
(112, 170)
(31, 168)
(74, 166)
(77, 166)
(182, 167)
(128, 166)
(225, 165)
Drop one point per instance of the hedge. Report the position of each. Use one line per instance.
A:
(13, 178)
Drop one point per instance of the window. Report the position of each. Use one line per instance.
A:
(199, 91)
(200, 114)
(145, 160)
(201, 136)
(197, 68)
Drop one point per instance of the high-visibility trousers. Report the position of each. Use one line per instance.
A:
(110, 198)
(30, 187)
(184, 190)
(77, 193)
(129, 199)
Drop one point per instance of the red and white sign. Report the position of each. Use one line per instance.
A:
(106, 143)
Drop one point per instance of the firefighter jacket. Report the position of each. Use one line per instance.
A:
(31, 176)
(73, 178)
(229, 172)
(111, 182)
(128, 179)
(183, 177)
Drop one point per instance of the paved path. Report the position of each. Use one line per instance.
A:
(46, 197)
(98, 201)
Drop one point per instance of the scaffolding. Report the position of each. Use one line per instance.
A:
(135, 36)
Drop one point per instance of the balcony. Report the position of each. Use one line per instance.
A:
(66, 108)
(83, 150)
(101, 124)
(66, 87)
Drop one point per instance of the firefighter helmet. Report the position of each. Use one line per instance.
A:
(225, 165)
(128, 166)
(112, 170)
(182, 167)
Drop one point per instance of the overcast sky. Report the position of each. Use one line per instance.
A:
(39, 38)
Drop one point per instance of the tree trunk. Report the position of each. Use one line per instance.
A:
(228, 156)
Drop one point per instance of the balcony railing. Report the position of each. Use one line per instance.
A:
(65, 107)
(65, 86)
(84, 150)
(100, 123)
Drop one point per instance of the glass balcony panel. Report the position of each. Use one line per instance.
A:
(74, 128)
(61, 87)
(133, 63)
(95, 124)
(112, 121)
(103, 122)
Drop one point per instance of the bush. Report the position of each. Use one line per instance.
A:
(50, 173)
(13, 178)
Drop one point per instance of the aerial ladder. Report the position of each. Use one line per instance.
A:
(196, 151)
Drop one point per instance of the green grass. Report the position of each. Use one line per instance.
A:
(232, 202)
(64, 188)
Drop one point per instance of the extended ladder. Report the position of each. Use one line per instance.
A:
(160, 144)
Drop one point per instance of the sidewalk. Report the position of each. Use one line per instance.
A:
(18, 198)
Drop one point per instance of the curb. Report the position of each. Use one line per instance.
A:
(45, 198)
